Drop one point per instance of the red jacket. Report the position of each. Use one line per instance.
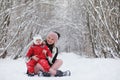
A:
(38, 51)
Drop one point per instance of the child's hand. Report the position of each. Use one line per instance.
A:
(35, 58)
(45, 52)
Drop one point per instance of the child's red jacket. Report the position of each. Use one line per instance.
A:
(38, 51)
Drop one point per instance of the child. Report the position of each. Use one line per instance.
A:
(37, 53)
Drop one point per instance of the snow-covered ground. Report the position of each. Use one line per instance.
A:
(81, 68)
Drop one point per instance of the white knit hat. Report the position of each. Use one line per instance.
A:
(37, 37)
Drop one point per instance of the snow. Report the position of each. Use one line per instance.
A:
(82, 68)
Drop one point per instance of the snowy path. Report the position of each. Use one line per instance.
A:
(81, 68)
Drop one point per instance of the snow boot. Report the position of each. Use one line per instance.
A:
(30, 74)
(46, 74)
(66, 73)
(59, 73)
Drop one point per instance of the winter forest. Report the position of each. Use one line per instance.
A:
(88, 27)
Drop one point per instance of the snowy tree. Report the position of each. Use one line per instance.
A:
(103, 22)
(4, 23)
(87, 27)
(28, 17)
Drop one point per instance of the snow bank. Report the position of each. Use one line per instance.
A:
(81, 68)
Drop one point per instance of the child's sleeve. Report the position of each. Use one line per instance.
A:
(49, 54)
(30, 52)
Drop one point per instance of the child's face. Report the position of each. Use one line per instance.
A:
(50, 40)
(38, 41)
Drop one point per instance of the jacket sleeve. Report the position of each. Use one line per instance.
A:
(55, 54)
(30, 52)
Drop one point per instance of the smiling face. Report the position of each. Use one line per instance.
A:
(50, 40)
